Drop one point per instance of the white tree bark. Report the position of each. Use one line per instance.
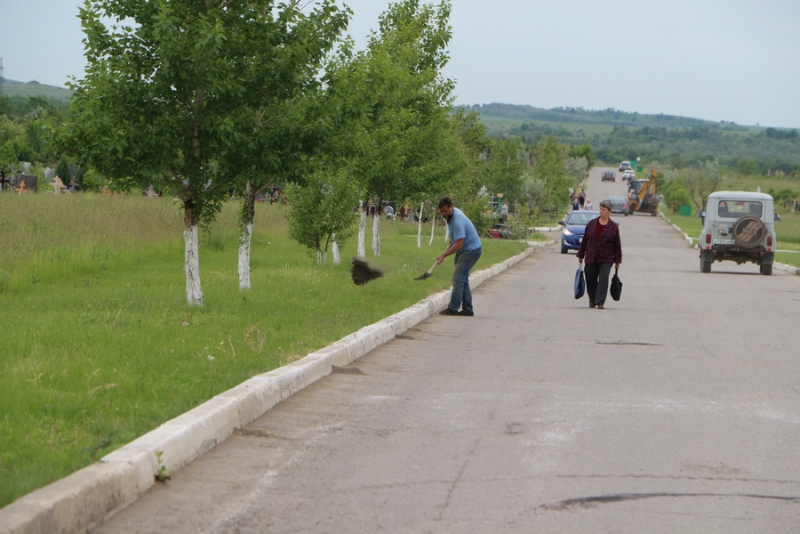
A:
(433, 229)
(419, 226)
(362, 231)
(245, 241)
(335, 248)
(321, 257)
(194, 292)
(376, 233)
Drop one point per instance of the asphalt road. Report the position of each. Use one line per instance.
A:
(673, 410)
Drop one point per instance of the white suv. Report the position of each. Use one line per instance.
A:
(738, 226)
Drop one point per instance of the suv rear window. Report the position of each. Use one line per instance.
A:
(736, 209)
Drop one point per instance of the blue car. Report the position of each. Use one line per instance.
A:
(574, 228)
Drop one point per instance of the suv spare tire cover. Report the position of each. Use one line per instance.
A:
(749, 232)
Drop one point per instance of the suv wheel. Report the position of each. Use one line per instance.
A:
(705, 266)
(766, 269)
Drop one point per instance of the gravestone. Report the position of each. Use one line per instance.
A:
(31, 181)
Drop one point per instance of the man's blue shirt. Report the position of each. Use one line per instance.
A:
(461, 227)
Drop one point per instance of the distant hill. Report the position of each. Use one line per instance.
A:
(668, 139)
(34, 88)
(508, 116)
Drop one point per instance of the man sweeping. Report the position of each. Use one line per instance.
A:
(466, 245)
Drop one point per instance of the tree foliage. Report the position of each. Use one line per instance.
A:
(322, 210)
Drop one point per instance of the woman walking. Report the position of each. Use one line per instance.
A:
(601, 247)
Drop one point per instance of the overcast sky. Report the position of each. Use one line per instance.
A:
(733, 60)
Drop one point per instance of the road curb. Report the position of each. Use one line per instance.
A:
(86, 498)
(691, 241)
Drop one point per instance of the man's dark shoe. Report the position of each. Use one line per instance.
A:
(448, 311)
(466, 313)
(600, 307)
(591, 305)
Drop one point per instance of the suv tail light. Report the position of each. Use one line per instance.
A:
(708, 239)
(769, 241)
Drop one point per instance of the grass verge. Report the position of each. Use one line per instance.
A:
(99, 346)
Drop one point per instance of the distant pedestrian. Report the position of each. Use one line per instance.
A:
(466, 245)
(503, 213)
(582, 198)
(588, 204)
(575, 204)
(602, 248)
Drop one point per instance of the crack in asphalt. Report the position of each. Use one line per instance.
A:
(640, 343)
(594, 501)
(458, 477)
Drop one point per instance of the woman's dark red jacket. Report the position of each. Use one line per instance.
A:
(607, 249)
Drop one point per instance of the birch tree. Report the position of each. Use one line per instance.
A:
(321, 212)
(158, 104)
(398, 104)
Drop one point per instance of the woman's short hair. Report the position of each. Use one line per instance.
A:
(606, 204)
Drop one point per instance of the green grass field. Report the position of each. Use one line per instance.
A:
(496, 123)
(36, 89)
(99, 346)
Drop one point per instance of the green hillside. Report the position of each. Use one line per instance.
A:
(34, 88)
(500, 116)
(666, 139)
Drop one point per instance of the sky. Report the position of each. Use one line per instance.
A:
(718, 60)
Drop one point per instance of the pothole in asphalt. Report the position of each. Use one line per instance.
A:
(348, 370)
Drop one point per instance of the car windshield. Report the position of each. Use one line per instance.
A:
(578, 218)
(736, 209)
(617, 200)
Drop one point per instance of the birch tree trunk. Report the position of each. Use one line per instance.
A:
(419, 226)
(246, 239)
(433, 229)
(362, 230)
(376, 233)
(244, 256)
(335, 248)
(194, 292)
(321, 257)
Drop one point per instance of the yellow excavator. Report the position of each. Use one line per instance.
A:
(643, 195)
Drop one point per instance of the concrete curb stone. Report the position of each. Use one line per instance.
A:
(86, 498)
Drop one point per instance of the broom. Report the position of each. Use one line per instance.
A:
(428, 273)
(363, 273)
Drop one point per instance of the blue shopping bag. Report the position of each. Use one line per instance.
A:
(580, 283)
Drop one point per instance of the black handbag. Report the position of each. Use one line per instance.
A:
(580, 283)
(616, 286)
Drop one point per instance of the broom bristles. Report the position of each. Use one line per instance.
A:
(363, 273)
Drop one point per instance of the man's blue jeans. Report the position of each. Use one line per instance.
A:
(461, 296)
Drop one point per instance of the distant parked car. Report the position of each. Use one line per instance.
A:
(628, 175)
(619, 205)
(574, 228)
(624, 166)
(608, 175)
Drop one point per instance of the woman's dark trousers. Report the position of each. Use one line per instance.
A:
(597, 282)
